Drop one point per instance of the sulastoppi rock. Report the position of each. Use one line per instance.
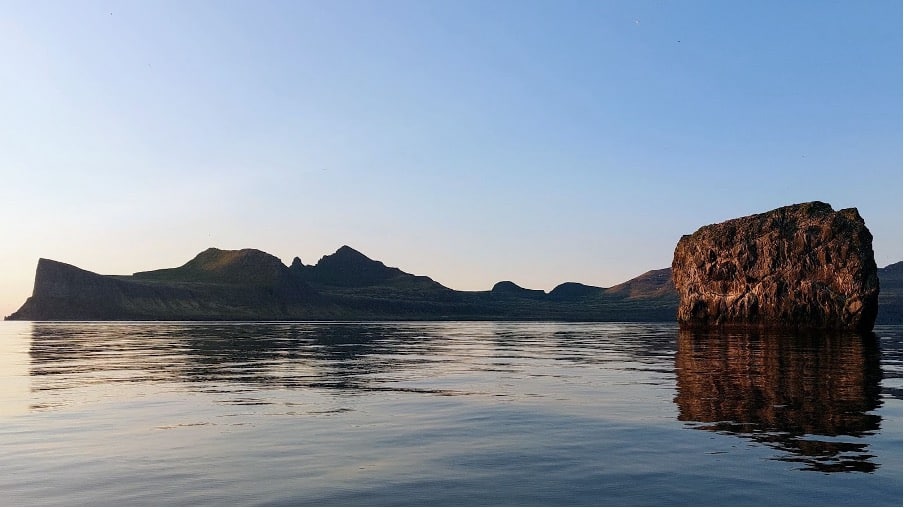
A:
(799, 266)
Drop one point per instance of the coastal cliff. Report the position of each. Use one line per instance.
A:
(66, 292)
(802, 266)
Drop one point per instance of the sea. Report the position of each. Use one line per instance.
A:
(446, 413)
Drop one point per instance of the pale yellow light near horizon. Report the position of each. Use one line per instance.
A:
(14, 369)
(463, 270)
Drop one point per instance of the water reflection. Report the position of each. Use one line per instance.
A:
(349, 357)
(346, 356)
(809, 395)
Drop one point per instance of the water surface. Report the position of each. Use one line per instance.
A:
(451, 413)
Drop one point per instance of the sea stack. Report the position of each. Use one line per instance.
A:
(799, 266)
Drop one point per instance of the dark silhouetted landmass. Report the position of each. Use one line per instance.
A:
(890, 295)
(249, 284)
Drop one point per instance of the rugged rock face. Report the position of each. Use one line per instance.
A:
(799, 266)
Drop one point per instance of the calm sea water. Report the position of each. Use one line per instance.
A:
(445, 414)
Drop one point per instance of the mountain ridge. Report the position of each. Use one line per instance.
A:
(250, 284)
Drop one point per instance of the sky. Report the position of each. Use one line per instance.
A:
(473, 142)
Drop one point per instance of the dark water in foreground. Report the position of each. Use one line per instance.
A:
(445, 414)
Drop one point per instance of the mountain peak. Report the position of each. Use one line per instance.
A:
(894, 268)
(349, 267)
(349, 254)
(214, 259)
(346, 257)
(650, 284)
(510, 288)
(574, 291)
(217, 265)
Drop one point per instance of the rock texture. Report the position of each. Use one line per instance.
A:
(799, 266)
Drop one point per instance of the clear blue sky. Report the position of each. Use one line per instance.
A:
(538, 142)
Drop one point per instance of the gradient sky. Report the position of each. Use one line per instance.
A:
(538, 142)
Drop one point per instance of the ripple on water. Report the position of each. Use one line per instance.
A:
(445, 413)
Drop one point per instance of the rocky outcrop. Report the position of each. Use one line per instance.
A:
(799, 266)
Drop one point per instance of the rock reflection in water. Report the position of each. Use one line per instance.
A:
(346, 356)
(809, 394)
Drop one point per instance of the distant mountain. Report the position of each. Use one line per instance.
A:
(652, 284)
(246, 266)
(570, 291)
(509, 288)
(890, 294)
(249, 284)
(348, 268)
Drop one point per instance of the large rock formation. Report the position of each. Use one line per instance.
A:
(799, 266)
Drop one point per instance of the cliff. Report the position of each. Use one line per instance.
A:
(65, 292)
(800, 266)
